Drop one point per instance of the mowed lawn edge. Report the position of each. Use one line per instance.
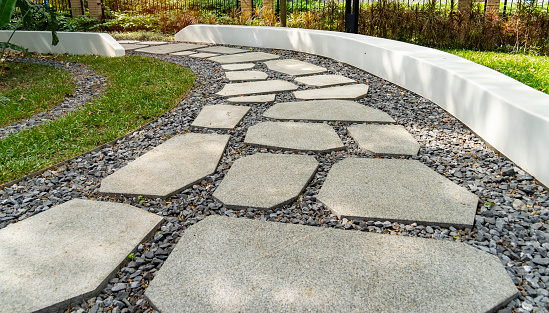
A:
(139, 90)
(531, 70)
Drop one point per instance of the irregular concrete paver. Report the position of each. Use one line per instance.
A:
(259, 87)
(183, 53)
(352, 92)
(164, 49)
(169, 168)
(404, 191)
(222, 50)
(224, 264)
(131, 46)
(57, 258)
(153, 42)
(327, 110)
(220, 116)
(252, 99)
(237, 66)
(294, 67)
(203, 55)
(384, 139)
(294, 136)
(246, 75)
(265, 180)
(244, 57)
(127, 41)
(324, 80)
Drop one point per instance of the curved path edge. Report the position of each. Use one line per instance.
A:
(508, 115)
(69, 42)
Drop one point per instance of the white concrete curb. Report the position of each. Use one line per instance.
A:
(509, 115)
(71, 43)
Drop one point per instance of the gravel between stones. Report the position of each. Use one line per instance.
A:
(89, 85)
(511, 221)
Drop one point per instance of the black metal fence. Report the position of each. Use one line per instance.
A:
(225, 6)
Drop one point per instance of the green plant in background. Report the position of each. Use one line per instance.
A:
(31, 15)
(131, 256)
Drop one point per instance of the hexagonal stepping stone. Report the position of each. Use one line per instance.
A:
(294, 67)
(244, 57)
(55, 259)
(175, 165)
(183, 53)
(404, 191)
(164, 49)
(351, 92)
(252, 99)
(202, 55)
(237, 66)
(265, 180)
(220, 116)
(327, 110)
(246, 75)
(384, 139)
(131, 46)
(324, 80)
(259, 87)
(222, 50)
(242, 265)
(294, 136)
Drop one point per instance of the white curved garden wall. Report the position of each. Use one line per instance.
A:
(509, 115)
(71, 43)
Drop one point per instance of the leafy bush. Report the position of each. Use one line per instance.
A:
(130, 22)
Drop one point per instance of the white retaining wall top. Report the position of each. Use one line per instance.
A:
(71, 43)
(509, 115)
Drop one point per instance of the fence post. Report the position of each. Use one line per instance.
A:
(95, 7)
(283, 13)
(77, 8)
(269, 5)
(351, 19)
(247, 7)
(492, 6)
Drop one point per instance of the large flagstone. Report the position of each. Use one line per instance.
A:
(258, 87)
(224, 264)
(60, 257)
(169, 168)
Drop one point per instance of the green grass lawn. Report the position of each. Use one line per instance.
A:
(140, 90)
(528, 69)
(27, 89)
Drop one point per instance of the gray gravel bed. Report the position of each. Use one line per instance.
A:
(511, 220)
(89, 85)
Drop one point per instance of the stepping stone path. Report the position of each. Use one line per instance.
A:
(203, 55)
(259, 87)
(127, 41)
(222, 50)
(384, 139)
(131, 46)
(352, 92)
(220, 116)
(67, 254)
(164, 49)
(177, 164)
(324, 80)
(237, 67)
(265, 180)
(327, 110)
(244, 57)
(403, 191)
(246, 75)
(183, 53)
(225, 264)
(253, 99)
(317, 137)
(294, 67)
(54, 259)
